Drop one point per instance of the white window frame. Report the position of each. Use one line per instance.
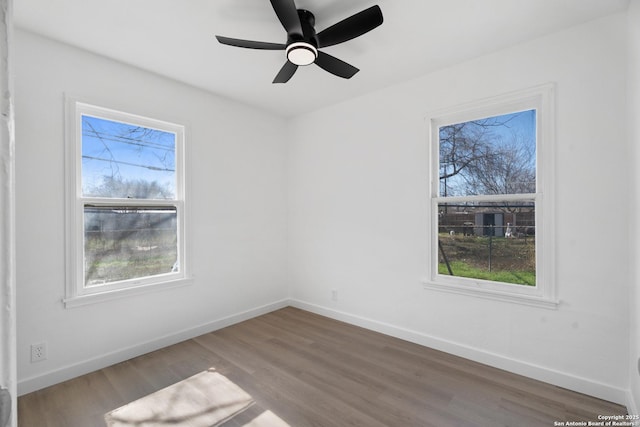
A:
(76, 293)
(543, 294)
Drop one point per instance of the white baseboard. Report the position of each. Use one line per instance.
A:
(28, 385)
(561, 379)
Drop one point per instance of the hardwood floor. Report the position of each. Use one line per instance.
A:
(313, 371)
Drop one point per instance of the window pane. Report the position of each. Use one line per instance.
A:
(488, 241)
(121, 160)
(494, 155)
(122, 243)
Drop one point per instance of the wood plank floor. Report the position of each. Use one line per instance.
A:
(313, 371)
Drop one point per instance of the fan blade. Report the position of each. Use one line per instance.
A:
(288, 16)
(335, 66)
(250, 44)
(286, 72)
(351, 27)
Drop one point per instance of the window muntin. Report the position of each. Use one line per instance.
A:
(489, 203)
(126, 203)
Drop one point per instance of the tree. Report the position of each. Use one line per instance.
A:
(116, 187)
(505, 169)
(483, 157)
(461, 145)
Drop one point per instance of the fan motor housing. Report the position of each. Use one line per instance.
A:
(308, 22)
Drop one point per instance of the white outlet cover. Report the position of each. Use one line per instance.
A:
(38, 352)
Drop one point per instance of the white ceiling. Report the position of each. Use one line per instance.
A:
(175, 38)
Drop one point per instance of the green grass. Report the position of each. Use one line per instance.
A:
(106, 266)
(462, 269)
(511, 260)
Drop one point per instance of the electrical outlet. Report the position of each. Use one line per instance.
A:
(334, 295)
(38, 352)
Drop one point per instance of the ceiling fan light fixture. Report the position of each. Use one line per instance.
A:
(302, 53)
(303, 43)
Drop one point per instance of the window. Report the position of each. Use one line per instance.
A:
(126, 204)
(491, 186)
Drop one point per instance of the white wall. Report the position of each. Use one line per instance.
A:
(357, 213)
(237, 212)
(358, 216)
(634, 140)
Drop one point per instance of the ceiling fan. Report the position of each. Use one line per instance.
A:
(303, 43)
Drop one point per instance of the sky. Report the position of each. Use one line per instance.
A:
(126, 152)
(523, 122)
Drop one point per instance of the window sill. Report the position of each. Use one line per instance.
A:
(530, 300)
(108, 295)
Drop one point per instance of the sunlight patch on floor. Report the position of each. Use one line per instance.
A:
(203, 400)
